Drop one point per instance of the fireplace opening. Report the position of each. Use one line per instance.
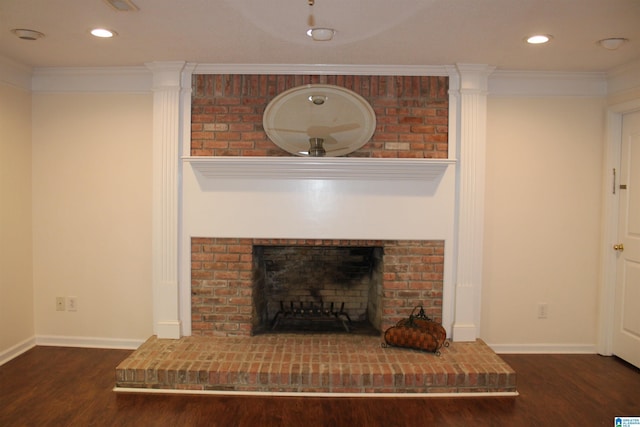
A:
(230, 279)
(317, 289)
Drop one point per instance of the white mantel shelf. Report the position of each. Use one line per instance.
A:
(354, 168)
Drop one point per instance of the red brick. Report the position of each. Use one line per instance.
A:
(411, 282)
(220, 101)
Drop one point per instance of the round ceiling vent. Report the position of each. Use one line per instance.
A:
(26, 34)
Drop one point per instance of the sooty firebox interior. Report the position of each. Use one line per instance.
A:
(317, 289)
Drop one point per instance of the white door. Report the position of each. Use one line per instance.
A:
(626, 335)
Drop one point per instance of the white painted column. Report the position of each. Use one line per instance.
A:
(167, 106)
(471, 150)
(184, 248)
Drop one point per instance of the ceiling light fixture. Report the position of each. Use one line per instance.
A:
(321, 34)
(103, 33)
(539, 39)
(318, 34)
(612, 43)
(25, 34)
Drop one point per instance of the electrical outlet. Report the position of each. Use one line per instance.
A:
(72, 303)
(60, 304)
(543, 310)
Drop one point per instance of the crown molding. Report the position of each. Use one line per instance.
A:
(140, 79)
(324, 69)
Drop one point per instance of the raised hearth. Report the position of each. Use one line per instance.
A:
(314, 364)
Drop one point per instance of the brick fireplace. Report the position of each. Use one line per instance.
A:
(413, 182)
(226, 281)
(386, 192)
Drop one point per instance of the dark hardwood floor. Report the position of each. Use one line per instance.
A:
(51, 386)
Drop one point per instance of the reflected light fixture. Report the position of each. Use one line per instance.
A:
(317, 99)
(103, 33)
(321, 34)
(539, 39)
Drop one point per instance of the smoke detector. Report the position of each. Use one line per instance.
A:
(26, 34)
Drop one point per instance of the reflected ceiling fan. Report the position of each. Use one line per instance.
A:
(319, 136)
(319, 120)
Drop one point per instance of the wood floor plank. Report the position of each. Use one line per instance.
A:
(49, 386)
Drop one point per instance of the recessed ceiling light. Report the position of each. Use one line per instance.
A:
(321, 34)
(539, 39)
(25, 34)
(103, 33)
(612, 43)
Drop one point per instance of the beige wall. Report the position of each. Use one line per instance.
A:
(16, 284)
(92, 214)
(542, 224)
(91, 160)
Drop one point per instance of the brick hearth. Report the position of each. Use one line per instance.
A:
(312, 363)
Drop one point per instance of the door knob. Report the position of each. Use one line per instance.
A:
(619, 247)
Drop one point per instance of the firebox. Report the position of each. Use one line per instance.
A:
(317, 288)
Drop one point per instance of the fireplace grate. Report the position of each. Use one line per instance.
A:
(312, 312)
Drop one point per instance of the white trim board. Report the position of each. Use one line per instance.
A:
(18, 349)
(68, 341)
(610, 207)
(139, 79)
(309, 394)
(325, 69)
(543, 348)
(88, 342)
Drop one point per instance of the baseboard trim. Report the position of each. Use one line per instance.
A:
(17, 350)
(543, 348)
(132, 390)
(88, 342)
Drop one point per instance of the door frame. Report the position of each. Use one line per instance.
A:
(610, 210)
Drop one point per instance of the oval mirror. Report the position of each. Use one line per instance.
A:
(319, 120)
